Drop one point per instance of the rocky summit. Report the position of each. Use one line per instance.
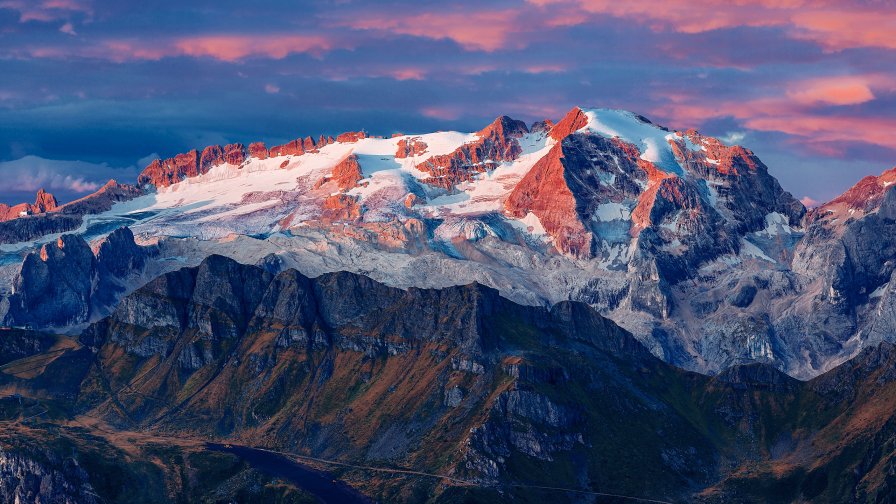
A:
(597, 308)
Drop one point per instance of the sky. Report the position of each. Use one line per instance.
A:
(95, 89)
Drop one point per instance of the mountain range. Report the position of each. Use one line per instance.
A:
(600, 305)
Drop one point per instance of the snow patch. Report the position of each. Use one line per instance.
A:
(751, 250)
(612, 211)
(652, 140)
(776, 224)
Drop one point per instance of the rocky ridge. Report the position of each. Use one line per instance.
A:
(456, 381)
(43, 202)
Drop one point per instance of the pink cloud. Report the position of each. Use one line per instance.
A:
(68, 28)
(236, 47)
(817, 128)
(221, 47)
(798, 109)
(544, 68)
(484, 30)
(830, 24)
(408, 74)
(441, 112)
(46, 10)
(847, 90)
(848, 27)
(809, 202)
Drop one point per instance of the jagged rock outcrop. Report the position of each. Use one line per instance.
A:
(212, 155)
(43, 202)
(64, 283)
(497, 142)
(410, 147)
(573, 121)
(58, 479)
(346, 174)
(258, 150)
(293, 148)
(349, 137)
(234, 154)
(54, 285)
(162, 173)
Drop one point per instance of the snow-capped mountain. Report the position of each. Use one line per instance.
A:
(684, 240)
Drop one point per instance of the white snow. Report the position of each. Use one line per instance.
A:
(652, 140)
(533, 224)
(776, 224)
(488, 190)
(612, 211)
(751, 250)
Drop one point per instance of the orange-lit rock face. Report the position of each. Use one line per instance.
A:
(545, 193)
(212, 155)
(410, 147)
(569, 189)
(346, 174)
(43, 202)
(309, 145)
(258, 150)
(351, 136)
(162, 173)
(294, 148)
(654, 178)
(234, 154)
(497, 142)
(865, 196)
(341, 207)
(741, 184)
(713, 156)
(573, 121)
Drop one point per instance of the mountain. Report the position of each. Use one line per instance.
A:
(506, 399)
(43, 202)
(65, 283)
(53, 219)
(685, 241)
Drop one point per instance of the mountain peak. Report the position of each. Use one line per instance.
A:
(864, 197)
(573, 121)
(504, 126)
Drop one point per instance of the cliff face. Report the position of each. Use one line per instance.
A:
(64, 283)
(23, 479)
(497, 142)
